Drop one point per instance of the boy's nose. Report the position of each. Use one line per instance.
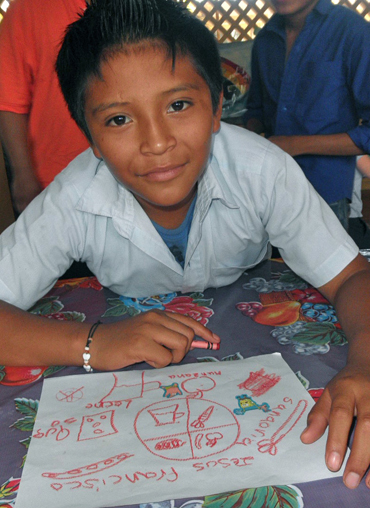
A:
(156, 138)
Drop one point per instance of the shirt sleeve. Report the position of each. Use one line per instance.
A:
(299, 222)
(40, 246)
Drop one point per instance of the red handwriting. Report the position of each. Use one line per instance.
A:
(153, 475)
(224, 463)
(265, 423)
(56, 430)
(97, 483)
(195, 374)
(269, 445)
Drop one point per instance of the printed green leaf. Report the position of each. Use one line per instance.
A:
(319, 334)
(199, 299)
(27, 407)
(205, 359)
(232, 358)
(47, 305)
(305, 382)
(52, 370)
(132, 311)
(118, 308)
(2, 372)
(278, 496)
(25, 424)
(292, 278)
(26, 442)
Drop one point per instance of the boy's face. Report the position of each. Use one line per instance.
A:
(153, 126)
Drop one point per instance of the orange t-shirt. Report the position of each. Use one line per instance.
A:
(30, 36)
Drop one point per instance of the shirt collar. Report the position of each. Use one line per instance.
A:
(106, 197)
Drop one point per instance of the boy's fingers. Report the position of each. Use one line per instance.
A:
(340, 422)
(317, 420)
(197, 327)
(359, 459)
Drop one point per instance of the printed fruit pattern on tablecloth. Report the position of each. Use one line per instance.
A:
(299, 313)
(194, 305)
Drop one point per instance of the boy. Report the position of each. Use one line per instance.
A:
(143, 81)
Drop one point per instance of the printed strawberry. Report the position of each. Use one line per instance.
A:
(14, 376)
(315, 393)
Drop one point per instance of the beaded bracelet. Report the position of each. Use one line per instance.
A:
(86, 356)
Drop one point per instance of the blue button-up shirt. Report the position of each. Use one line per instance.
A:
(322, 88)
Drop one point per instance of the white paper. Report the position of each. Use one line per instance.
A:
(184, 431)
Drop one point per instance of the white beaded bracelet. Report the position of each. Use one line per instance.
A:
(86, 356)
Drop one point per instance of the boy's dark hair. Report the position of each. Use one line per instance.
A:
(108, 26)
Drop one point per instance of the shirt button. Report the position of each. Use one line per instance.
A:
(284, 108)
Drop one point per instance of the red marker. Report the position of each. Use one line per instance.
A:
(202, 344)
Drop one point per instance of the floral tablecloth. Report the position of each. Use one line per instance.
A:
(268, 309)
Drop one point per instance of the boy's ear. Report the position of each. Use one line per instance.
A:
(95, 151)
(217, 115)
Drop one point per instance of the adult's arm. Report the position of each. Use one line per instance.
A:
(13, 135)
(348, 394)
(327, 144)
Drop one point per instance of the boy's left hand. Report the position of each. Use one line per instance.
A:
(346, 396)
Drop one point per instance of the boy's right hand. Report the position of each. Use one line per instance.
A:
(155, 337)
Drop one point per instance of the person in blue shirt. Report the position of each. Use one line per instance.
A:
(142, 79)
(310, 93)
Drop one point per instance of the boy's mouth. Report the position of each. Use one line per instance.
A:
(164, 173)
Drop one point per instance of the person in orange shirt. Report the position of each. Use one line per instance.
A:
(38, 134)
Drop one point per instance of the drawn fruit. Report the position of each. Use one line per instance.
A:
(279, 314)
(21, 375)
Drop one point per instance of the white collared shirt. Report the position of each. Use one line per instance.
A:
(251, 193)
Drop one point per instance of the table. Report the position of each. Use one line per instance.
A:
(303, 327)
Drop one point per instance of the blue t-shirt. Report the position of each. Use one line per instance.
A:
(177, 239)
(322, 88)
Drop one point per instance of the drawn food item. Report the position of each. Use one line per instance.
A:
(169, 444)
(269, 445)
(97, 425)
(95, 467)
(199, 422)
(187, 430)
(279, 314)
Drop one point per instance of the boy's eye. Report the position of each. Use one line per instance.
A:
(179, 106)
(119, 120)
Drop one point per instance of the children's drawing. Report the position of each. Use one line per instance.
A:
(148, 436)
(269, 445)
(259, 382)
(246, 403)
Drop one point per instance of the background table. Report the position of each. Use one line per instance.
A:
(268, 309)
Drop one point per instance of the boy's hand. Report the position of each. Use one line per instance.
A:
(156, 337)
(346, 396)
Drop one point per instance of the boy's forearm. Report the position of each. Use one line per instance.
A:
(26, 339)
(329, 144)
(352, 304)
